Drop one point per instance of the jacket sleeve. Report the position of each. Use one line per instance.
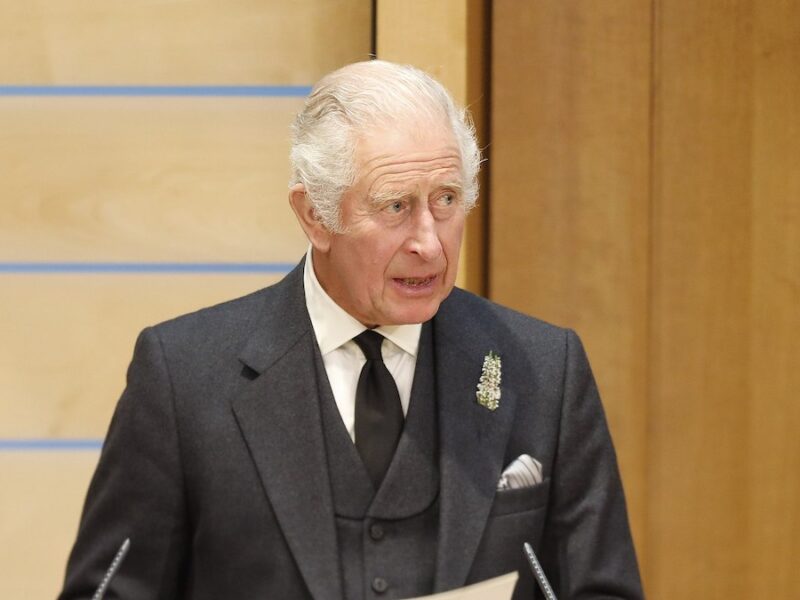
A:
(587, 548)
(136, 492)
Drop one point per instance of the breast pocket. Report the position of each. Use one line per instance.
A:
(520, 500)
(516, 516)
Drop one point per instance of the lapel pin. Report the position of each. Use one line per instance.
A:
(488, 393)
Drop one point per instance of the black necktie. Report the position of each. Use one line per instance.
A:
(379, 414)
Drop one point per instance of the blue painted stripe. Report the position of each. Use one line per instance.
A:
(272, 91)
(143, 267)
(50, 445)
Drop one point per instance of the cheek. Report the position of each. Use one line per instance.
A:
(382, 252)
(374, 261)
(451, 240)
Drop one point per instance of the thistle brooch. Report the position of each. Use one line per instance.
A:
(488, 393)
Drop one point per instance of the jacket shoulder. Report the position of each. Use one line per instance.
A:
(230, 315)
(227, 326)
(486, 316)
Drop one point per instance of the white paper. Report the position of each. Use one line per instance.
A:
(499, 588)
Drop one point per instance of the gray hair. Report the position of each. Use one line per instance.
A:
(349, 101)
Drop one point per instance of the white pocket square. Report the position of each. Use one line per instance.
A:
(524, 471)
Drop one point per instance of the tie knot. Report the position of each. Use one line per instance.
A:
(370, 343)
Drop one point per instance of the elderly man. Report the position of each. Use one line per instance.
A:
(361, 429)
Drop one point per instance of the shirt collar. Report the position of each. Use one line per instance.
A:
(333, 326)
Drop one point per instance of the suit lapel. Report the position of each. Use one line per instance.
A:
(472, 439)
(279, 417)
(281, 401)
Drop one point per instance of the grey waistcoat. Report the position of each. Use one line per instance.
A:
(387, 539)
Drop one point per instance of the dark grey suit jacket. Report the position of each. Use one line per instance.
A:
(214, 464)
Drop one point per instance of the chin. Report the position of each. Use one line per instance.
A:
(417, 314)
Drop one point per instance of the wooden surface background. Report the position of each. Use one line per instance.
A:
(141, 179)
(643, 187)
(645, 190)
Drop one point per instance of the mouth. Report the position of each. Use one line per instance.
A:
(415, 282)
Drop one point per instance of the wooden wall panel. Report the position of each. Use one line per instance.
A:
(67, 341)
(701, 281)
(428, 34)
(167, 42)
(99, 178)
(40, 500)
(715, 273)
(102, 178)
(774, 410)
(569, 192)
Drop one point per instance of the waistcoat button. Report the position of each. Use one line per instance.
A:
(376, 531)
(379, 585)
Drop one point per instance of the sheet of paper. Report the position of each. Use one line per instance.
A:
(499, 588)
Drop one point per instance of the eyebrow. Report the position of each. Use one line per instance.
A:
(456, 186)
(391, 195)
(388, 196)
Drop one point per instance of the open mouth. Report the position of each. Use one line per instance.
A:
(416, 282)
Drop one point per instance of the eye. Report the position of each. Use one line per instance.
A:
(395, 206)
(446, 200)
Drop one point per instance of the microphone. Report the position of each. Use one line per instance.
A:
(538, 573)
(123, 550)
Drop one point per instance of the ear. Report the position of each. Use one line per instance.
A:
(316, 232)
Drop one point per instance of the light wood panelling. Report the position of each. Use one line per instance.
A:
(104, 179)
(147, 179)
(698, 445)
(67, 341)
(40, 498)
(428, 34)
(476, 259)
(446, 39)
(773, 475)
(168, 42)
(712, 223)
(569, 192)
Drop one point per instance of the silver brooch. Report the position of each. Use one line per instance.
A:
(488, 393)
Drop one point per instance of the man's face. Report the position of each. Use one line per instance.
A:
(403, 221)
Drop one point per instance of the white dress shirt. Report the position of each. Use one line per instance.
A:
(335, 329)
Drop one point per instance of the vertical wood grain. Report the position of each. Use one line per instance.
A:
(774, 410)
(698, 445)
(569, 193)
(429, 34)
(478, 100)
(715, 273)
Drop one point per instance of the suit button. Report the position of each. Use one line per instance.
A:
(376, 531)
(379, 585)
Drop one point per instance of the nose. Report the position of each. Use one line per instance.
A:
(424, 238)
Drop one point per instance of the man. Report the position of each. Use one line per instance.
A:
(357, 430)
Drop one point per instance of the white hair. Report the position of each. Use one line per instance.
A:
(347, 103)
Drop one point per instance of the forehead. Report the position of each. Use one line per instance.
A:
(386, 156)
